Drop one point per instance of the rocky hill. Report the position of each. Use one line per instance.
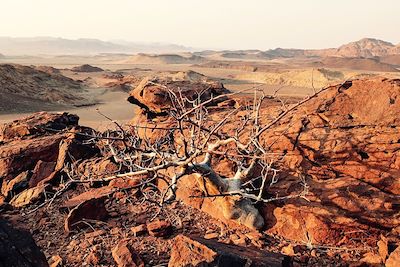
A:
(364, 48)
(367, 47)
(87, 68)
(23, 86)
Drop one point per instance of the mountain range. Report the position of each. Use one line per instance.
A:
(60, 46)
(364, 48)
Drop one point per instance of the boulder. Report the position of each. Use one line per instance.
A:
(154, 95)
(37, 124)
(196, 251)
(91, 209)
(159, 228)
(14, 186)
(125, 256)
(394, 258)
(29, 196)
(22, 155)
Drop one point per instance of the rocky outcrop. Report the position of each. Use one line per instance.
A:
(48, 69)
(125, 256)
(195, 251)
(346, 142)
(37, 124)
(87, 68)
(153, 95)
(33, 152)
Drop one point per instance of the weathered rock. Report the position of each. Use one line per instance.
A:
(18, 249)
(346, 143)
(97, 167)
(56, 261)
(230, 209)
(394, 258)
(91, 209)
(93, 193)
(36, 150)
(29, 196)
(16, 185)
(383, 248)
(41, 171)
(125, 256)
(371, 259)
(196, 251)
(37, 124)
(159, 228)
(139, 230)
(153, 96)
(22, 155)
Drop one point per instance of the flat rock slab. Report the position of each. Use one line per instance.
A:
(197, 251)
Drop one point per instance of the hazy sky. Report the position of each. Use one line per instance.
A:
(232, 24)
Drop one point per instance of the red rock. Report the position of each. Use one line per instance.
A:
(383, 248)
(125, 256)
(371, 259)
(91, 209)
(97, 167)
(93, 193)
(124, 183)
(15, 185)
(159, 228)
(195, 251)
(94, 234)
(153, 97)
(37, 124)
(93, 257)
(211, 236)
(56, 261)
(288, 250)
(29, 196)
(22, 155)
(41, 171)
(139, 230)
(394, 258)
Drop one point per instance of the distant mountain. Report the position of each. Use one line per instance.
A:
(364, 48)
(61, 46)
(164, 59)
(367, 47)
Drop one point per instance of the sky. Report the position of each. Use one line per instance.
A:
(214, 24)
